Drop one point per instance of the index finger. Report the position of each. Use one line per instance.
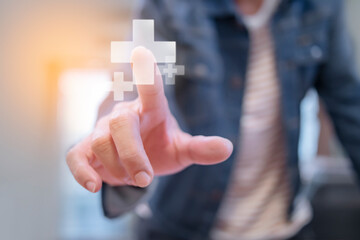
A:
(149, 85)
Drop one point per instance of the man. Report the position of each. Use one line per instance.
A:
(248, 60)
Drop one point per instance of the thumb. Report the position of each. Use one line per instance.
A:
(206, 150)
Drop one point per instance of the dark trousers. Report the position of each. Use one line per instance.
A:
(145, 232)
(307, 233)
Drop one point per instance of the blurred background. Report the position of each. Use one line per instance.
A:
(54, 55)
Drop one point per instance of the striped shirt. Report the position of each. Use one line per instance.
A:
(255, 206)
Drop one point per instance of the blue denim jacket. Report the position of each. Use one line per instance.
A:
(313, 50)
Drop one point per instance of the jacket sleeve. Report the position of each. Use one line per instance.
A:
(339, 87)
(119, 200)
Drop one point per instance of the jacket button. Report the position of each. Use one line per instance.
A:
(236, 82)
(216, 195)
(200, 70)
(304, 40)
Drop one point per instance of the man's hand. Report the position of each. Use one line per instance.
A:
(140, 139)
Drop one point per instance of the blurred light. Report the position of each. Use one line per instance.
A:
(81, 93)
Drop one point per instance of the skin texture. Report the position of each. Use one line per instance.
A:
(140, 139)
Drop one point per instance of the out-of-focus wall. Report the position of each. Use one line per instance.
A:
(353, 19)
(39, 39)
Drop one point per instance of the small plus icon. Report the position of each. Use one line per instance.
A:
(143, 35)
(170, 70)
(120, 86)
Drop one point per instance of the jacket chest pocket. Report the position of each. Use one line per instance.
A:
(311, 51)
(311, 45)
(197, 91)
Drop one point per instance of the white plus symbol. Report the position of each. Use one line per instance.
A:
(170, 70)
(120, 86)
(143, 35)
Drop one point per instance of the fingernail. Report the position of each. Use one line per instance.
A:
(90, 186)
(229, 145)
(142, 179)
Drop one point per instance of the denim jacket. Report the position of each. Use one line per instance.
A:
(312, 49)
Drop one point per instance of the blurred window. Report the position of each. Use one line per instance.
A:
(81, 92)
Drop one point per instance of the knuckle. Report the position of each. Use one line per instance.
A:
(123, 118)
(70, 157)
(77, 171)
(96, 164)
(101, 144)
(101, 121)
(129, 155)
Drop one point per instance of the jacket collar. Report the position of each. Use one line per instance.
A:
(223, 8)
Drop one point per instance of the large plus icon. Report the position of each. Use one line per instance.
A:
(143, 35)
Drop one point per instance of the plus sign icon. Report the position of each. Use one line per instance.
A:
(164, 52)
